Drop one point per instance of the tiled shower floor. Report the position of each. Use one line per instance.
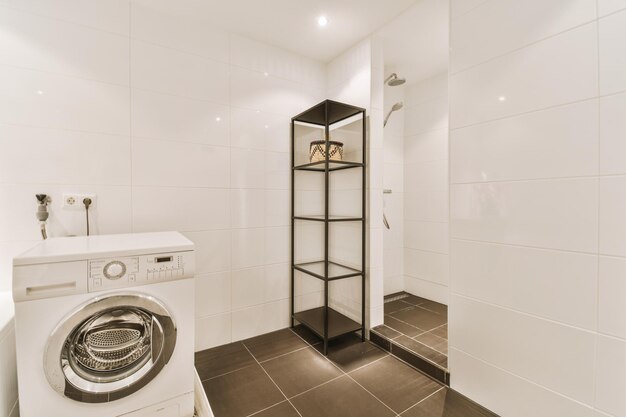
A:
(283, 374)
(417, 325)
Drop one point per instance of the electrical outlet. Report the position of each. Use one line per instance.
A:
(76, 200)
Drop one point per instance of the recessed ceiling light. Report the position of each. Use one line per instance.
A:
(217, 119)
(502, 98)
(266, 74)
(322, 20)
(39, 92)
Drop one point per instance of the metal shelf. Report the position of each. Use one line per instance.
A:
(320, 166)
(324, 321)
(335, 270)
(338, 324)
(322, 218)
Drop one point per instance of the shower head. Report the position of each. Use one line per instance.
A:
(393, 80)
(395, 107)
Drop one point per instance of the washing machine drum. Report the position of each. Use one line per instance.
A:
(109, 348)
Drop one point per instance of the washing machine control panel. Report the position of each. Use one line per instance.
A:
(129, 271)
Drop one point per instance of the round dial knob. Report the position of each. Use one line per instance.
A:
(114, 270)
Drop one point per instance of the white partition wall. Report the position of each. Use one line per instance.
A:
(538, 186)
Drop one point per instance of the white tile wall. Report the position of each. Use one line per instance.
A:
(173, 125)
(537, 252)
(426, 231)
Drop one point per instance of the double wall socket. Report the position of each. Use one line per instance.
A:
(76, 200)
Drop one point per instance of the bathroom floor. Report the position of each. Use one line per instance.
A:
(418, 325)
(283, 374)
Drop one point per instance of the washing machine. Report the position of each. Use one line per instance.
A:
(105, 326)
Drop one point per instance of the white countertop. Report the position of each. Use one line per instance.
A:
(64, 249)
(6, 313)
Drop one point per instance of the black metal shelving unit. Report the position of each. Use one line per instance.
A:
(324, 321)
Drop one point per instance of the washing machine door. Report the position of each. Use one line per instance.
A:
(109, 347)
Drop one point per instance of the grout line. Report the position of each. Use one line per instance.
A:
(423, 399)
(599, 167)
(317, 386)
(225, 373)
(525, 46)
(519, 245)
(284, 354)
(348, 375)
(268, 375)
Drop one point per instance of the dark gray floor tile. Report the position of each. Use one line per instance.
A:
(396, 305)
(435, 342)
(447, 403)
(274, 344)
(423, 351)
(394, 383)
(386, 331)
(436, 307)
(401, 327)
(283, 409)
(340, 398)
(418, 317)
(241, 393)
(299, 371)
(222, 359)
(414, 300)
(441, 331)
(349, 352)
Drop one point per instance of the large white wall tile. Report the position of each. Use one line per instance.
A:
(519, 82)
(170, 71)
(613, 53)
(213, 293)
(108, 15)
(558, 357)
(559, 142)
(612, 133)
(609, 6)
(247, 208)
(212, 250)
(612, 287)
(41, 43)
(426, 146)
(253, 129)
(163, 116)
(27, 152)
(167, 163)
(611, 376)
(558, 214)
(612, 220)
(260, 285)
(428, 266)
(161, 208)
(516, 23)
(248, 248)
(260, 319)
(431, 115)
(257, 91)
(155, 26)
(47, 100)
(213, 331)
(247, 168)
(528, 280)
(508, 394)
(428, 236)
(460, 7)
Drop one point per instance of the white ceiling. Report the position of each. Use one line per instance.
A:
(416, 42)
(292, 24)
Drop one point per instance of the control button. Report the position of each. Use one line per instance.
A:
(132, 278)
(97, 282)
(114, 270)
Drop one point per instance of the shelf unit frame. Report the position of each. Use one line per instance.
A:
(324, 321)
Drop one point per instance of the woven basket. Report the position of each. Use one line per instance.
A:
(317, 151)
